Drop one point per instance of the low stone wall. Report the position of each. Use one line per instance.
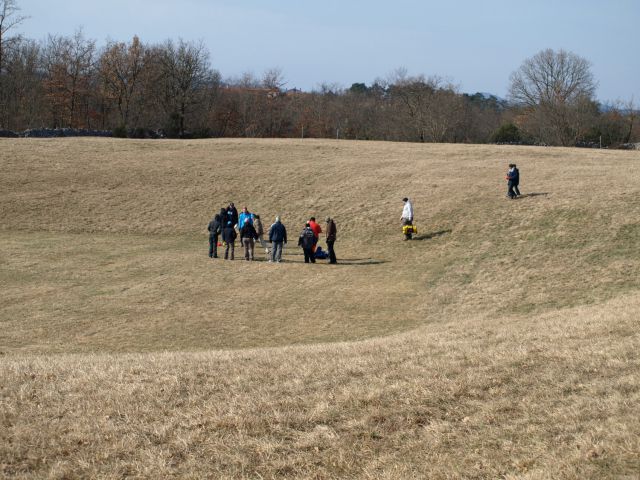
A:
(55, 132)
(630, 146)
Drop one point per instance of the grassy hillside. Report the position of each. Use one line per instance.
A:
(502, 342)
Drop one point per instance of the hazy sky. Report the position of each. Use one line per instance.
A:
(474, 44)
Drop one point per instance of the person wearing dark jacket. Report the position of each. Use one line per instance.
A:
(232, 214)
(229, 238)
(331, 232)
(215, 228)
(278, 238)
(513, 178)
(516, 180)
(248, 237)
(307, 241)
(223, 216)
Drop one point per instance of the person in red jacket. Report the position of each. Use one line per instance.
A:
(317, 230)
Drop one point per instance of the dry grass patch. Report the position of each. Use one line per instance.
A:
(104, 245)
(501, 343)
(553, 396)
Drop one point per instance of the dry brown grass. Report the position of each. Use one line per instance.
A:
(519, 361)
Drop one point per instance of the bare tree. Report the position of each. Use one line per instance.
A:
(185, 73)
(120, 70)
(9, 18)
(431, 107)
(69, 67)
(273, 79)
(632, 115)
(556, 88)
(22, 96)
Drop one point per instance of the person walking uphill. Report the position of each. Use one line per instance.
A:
(229, 236)
(331, 232)
(407, 217)
(248, 236)
(214, 228)
(278, 238)
(307, 241)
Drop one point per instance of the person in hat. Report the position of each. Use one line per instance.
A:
(331, 232)
(407, 216)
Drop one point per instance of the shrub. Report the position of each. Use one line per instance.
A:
(507, 133)
(119, 132)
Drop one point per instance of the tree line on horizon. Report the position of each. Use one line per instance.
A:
(135, 88)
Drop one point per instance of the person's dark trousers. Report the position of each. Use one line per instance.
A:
(213, 246)
(230, 246)
(308, 255)
(515, 189)
(510, 192)
(332, 254)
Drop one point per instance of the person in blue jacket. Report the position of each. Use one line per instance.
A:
(245, 215)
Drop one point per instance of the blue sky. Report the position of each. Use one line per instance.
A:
(474, 44)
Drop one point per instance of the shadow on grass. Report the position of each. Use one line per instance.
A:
(321, 261)
(427, 236)
(360, 261)
(534, 194)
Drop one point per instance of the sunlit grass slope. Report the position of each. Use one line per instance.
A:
(501, 343)
(104, 241)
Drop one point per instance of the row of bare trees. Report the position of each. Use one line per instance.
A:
(134, 88)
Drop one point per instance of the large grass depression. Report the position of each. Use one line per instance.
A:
(104, 241)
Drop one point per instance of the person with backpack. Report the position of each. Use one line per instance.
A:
(248, 236)
(214, 228)
(229, 236)
(307, 241)
(331, 233)
(278, 238)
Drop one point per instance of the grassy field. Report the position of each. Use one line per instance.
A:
(501, 343)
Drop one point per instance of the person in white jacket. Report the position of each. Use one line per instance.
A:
(407, 216)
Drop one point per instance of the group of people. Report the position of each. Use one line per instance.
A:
(228, 225)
